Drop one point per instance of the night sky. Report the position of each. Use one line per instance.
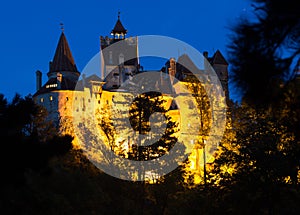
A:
(31, 29)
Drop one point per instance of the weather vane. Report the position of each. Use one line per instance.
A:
(62, 28)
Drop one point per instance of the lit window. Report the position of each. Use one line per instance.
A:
(51, 98)
(42, 100)
(51, 85)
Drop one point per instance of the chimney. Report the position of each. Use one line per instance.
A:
(59, 80)
(38, 80)
(172, 69)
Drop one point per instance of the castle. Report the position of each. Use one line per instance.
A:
(65, 94)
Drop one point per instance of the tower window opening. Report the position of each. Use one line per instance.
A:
(110, 57)
(121, 58)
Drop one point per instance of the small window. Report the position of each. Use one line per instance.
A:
(42, 100)
(110, 57)
(121, 58)
(51, 98)
(67, 98)
(98, 101)
(51, 85)
(89, 100)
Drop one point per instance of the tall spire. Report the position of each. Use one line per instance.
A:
(119, 29)
(63, 59)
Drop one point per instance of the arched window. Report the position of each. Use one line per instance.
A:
(110, 57)
(121, 58)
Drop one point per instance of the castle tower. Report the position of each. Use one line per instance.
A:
(217, 62)
(63, 62)
(119, 31)
(119, 60)
(220, 66)
(57, 93)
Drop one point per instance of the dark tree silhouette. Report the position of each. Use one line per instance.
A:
(28, 141)
(263, 49)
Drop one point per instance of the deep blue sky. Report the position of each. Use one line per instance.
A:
(30, 30)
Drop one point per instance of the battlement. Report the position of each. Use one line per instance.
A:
(106, 41)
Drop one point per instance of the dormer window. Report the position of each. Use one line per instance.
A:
(51, 85)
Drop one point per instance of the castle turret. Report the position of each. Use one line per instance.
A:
(119, 31)
(119, 57)
(63, 61)
(220, 66)
(63, 73)
(56, 95)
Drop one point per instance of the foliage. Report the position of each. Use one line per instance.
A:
(263, 49)
(28, 141)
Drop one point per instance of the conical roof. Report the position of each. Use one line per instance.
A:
(119, 28)
(63, 59)
(218, 58)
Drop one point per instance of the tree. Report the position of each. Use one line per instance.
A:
(259, 164)
(28, 140)
(263, 49)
